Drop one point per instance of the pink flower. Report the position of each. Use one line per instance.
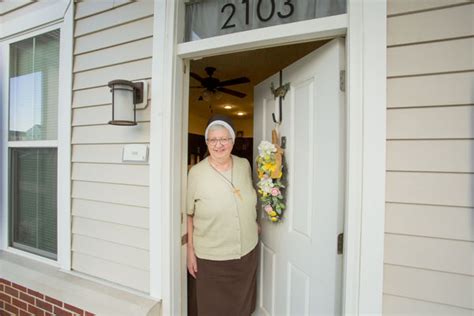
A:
(275, 192)
(268, 208)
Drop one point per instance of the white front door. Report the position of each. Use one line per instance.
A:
(300, 270)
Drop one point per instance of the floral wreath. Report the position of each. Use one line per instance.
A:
(270, 185)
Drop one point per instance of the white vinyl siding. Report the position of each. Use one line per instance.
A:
(88, 8)
(120, 34)
(110, 237)
(114, 55)
(427, 58)
(133, 70)
(431, 90)
(10, 6)
(460, 25)
(117, 15)
(441, 155)
(435, 221)
(429, 235)
(106, 134)
(111, 213)
(101, 113)
(395, 7)
(11, 10)
(111, 173)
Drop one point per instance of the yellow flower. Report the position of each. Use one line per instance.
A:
(274, 219)
(272, 213)
(269, 166)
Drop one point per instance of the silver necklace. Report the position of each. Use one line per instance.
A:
(235, 190)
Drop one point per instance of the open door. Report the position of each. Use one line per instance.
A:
(300, 265)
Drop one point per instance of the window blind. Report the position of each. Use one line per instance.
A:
(34, 69)
(34, 199)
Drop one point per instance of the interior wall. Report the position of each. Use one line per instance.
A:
(245, 125)
(197, 124)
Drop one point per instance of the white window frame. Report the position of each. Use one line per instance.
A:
(58, 16)
(365, 31)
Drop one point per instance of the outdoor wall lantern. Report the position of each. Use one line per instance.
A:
(127, 98)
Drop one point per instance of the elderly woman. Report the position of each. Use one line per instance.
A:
(222, 227)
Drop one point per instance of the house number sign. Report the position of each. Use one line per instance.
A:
(208, 18)
(231, 8)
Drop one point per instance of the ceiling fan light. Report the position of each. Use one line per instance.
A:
(206, 95)
(228, 107)
(218, 95)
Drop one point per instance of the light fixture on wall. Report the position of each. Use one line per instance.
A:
(127, 98)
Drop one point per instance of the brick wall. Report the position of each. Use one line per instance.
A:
(19, 300)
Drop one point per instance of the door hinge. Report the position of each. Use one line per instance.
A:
(342, 80)
(184, 67)
(340, 243)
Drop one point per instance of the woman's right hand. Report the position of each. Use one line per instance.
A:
(192, 262)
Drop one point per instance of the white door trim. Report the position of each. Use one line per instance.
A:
(366, 128)
(297, 32)
(165, 158)
(365, 191)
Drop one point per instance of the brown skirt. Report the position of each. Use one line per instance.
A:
(226, 287)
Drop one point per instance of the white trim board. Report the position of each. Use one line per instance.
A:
(3, 148)
(365, 24)
(64, 139)
(297, 32)
(27, 143)
(365, 182)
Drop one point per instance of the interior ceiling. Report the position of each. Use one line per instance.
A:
(255, 65)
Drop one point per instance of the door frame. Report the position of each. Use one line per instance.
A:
(364, 26)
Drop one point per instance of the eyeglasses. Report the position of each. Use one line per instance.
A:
(214, 141)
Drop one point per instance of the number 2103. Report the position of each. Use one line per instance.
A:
(288, 6)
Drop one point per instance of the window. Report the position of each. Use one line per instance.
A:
(32, 143)
(210, 18)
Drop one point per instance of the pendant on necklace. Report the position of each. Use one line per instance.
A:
(237, 193)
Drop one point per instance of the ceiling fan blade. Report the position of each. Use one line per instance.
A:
(232, 92)
(197, 77)
(234, 81)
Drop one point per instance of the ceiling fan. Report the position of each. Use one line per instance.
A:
(213, 85)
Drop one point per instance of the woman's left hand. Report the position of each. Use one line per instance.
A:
(192, 262)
